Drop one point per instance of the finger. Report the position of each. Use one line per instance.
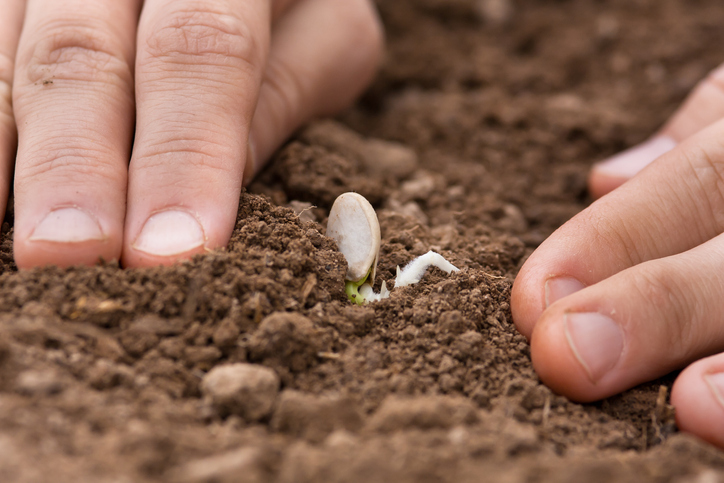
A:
(73, 99)
(199, 68)
(633, 327)
(698, 396)
(10, 26)
(667, 209)
(323, 54)
(702, 108)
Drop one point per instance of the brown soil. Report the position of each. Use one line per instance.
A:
(475, 141)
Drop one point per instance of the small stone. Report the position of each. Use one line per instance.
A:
(342, 439)
(39, 382)
(418, 188)
(388, 158)
(496, 12)
(246, 390)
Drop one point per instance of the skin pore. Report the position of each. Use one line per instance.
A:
(129, 128)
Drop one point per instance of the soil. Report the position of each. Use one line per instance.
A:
(249, 365)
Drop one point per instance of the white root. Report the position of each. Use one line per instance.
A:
(369, 294)
(415, 270)
(411, 274)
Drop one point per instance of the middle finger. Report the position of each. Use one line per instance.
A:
(198, 73)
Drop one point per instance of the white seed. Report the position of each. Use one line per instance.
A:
(353, 225)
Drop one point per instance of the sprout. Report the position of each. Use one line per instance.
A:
(354, 226)
(413, 271)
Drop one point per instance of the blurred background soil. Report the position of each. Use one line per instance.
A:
(249, 365)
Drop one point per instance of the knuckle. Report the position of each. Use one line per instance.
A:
(672, 305)
(614, 233)
(708, 174)
(67, 165)
(284, 91)
(77, 53)
(197, 153)
(196, 36)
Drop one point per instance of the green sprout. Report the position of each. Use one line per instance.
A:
(354, 226)
(352, 290)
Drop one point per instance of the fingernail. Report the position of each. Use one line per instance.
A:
(631, 161)
(170, 232)
(596, 341)
(67, 225)
(716, 386)
(559, 287)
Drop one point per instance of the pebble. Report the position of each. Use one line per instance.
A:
(388, 158)
(418, 188)
(246, 390)
(496, 12)
(39, 382)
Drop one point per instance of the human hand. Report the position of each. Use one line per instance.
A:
(632, 288)
(213, 87)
